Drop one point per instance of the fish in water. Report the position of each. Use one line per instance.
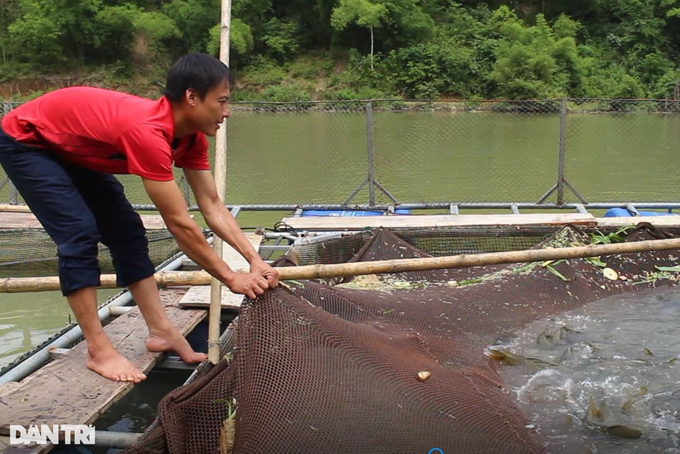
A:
(601, 416)
(548, 339)
(579, 350)
(511, 359)
(629, 403)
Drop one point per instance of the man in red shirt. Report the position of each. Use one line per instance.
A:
(60, 151)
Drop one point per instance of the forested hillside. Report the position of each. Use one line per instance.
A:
(331, 49)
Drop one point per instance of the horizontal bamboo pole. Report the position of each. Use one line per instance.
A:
(176, 278)
(4, 207)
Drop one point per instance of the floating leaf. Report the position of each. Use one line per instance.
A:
(475, 280)
(298, 283)
(596, 261)
(557, 273)
(668, 268)
(402, 284)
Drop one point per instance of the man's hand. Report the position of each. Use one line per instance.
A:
(266, 271)
(251, 285)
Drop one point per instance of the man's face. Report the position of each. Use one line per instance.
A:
(210, 111)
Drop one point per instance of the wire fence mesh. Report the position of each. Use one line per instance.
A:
(382, 151)
(623, 150)
(463, 152)
(295, 152)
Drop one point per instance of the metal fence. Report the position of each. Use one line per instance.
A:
(475, 153)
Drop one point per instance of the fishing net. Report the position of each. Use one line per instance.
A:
(389, 363)
(32, 252)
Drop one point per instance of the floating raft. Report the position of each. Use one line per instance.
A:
(65, 391)
(26, 221)
(355, 223)
(439, 220)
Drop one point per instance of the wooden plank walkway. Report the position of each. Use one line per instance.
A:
(438, 220)
(199, 295)
(66, 392)
(658, 221)
(18, 220)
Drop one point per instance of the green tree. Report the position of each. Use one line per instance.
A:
(115, 31)
(442, 66)
(50, 31)
(37, 35)
(279, 36)
(240, 39)
(533, 62)
(8, 13)
(194, 19)
(406, 24)
(152, 30)
(362, 12)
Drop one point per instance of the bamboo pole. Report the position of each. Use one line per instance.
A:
(220, 184)
(177, 278)
(5, 207)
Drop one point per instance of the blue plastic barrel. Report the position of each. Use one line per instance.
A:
(349, 213)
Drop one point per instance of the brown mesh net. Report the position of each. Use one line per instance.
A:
(323, 367)
(32, 252)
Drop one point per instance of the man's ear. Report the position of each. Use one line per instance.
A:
(190, 96)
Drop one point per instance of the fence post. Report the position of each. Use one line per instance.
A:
(370, 150)
(562, 149)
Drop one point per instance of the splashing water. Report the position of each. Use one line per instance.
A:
(622, 351)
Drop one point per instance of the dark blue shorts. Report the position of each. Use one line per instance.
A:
(79, 208)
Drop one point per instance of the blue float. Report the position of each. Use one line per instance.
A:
(349, 213)
(623, 212)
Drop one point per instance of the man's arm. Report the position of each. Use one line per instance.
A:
(221, 221)
(168, 198)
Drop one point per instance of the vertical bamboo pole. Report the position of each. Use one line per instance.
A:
(220, 183)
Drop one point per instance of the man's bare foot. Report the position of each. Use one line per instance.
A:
(112, 365)
(173, 340)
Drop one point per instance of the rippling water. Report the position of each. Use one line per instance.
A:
(619, 346)
(28, 319)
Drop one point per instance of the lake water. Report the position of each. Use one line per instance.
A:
(419, 156)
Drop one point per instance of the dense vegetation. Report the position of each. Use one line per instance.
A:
(339, 49)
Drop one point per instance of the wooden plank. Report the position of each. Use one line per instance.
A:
(66, 392)
(199, 296)
(154, 221)
(658, 221)
(12, 220)
(6, 448)
(438, 220)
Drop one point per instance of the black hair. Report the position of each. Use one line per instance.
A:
(202, 72)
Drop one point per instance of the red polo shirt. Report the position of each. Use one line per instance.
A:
(108, 131)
